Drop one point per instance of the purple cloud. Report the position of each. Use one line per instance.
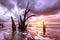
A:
(39, 7)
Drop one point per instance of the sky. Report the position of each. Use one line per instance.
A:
(46, 10)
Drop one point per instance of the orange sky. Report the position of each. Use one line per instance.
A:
(40, 19)
(37, 22)
(41, 22)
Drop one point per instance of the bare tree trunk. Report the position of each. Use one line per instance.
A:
(13, 28)
(44, 29)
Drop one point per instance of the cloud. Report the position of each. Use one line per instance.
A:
(48, 18)
(6, 4)
(5, 14)
(37, 6)
(53, 18)
(44, 7)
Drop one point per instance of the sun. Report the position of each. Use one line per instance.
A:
(37, 20)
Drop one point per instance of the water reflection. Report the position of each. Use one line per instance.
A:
(34, 33)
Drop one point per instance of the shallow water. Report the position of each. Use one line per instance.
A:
(6, 34)
(35, 32)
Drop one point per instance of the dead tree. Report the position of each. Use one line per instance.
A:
(22, 23)
(13, 25)
(13, 28)
(44, 29)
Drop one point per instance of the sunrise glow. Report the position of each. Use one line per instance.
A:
(39, 20)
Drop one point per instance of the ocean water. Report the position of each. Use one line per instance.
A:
(52, 31)
(53, 26)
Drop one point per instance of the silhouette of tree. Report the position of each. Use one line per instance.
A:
(22, 23)
(13, 28)
(13, 25)
(44, 29)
